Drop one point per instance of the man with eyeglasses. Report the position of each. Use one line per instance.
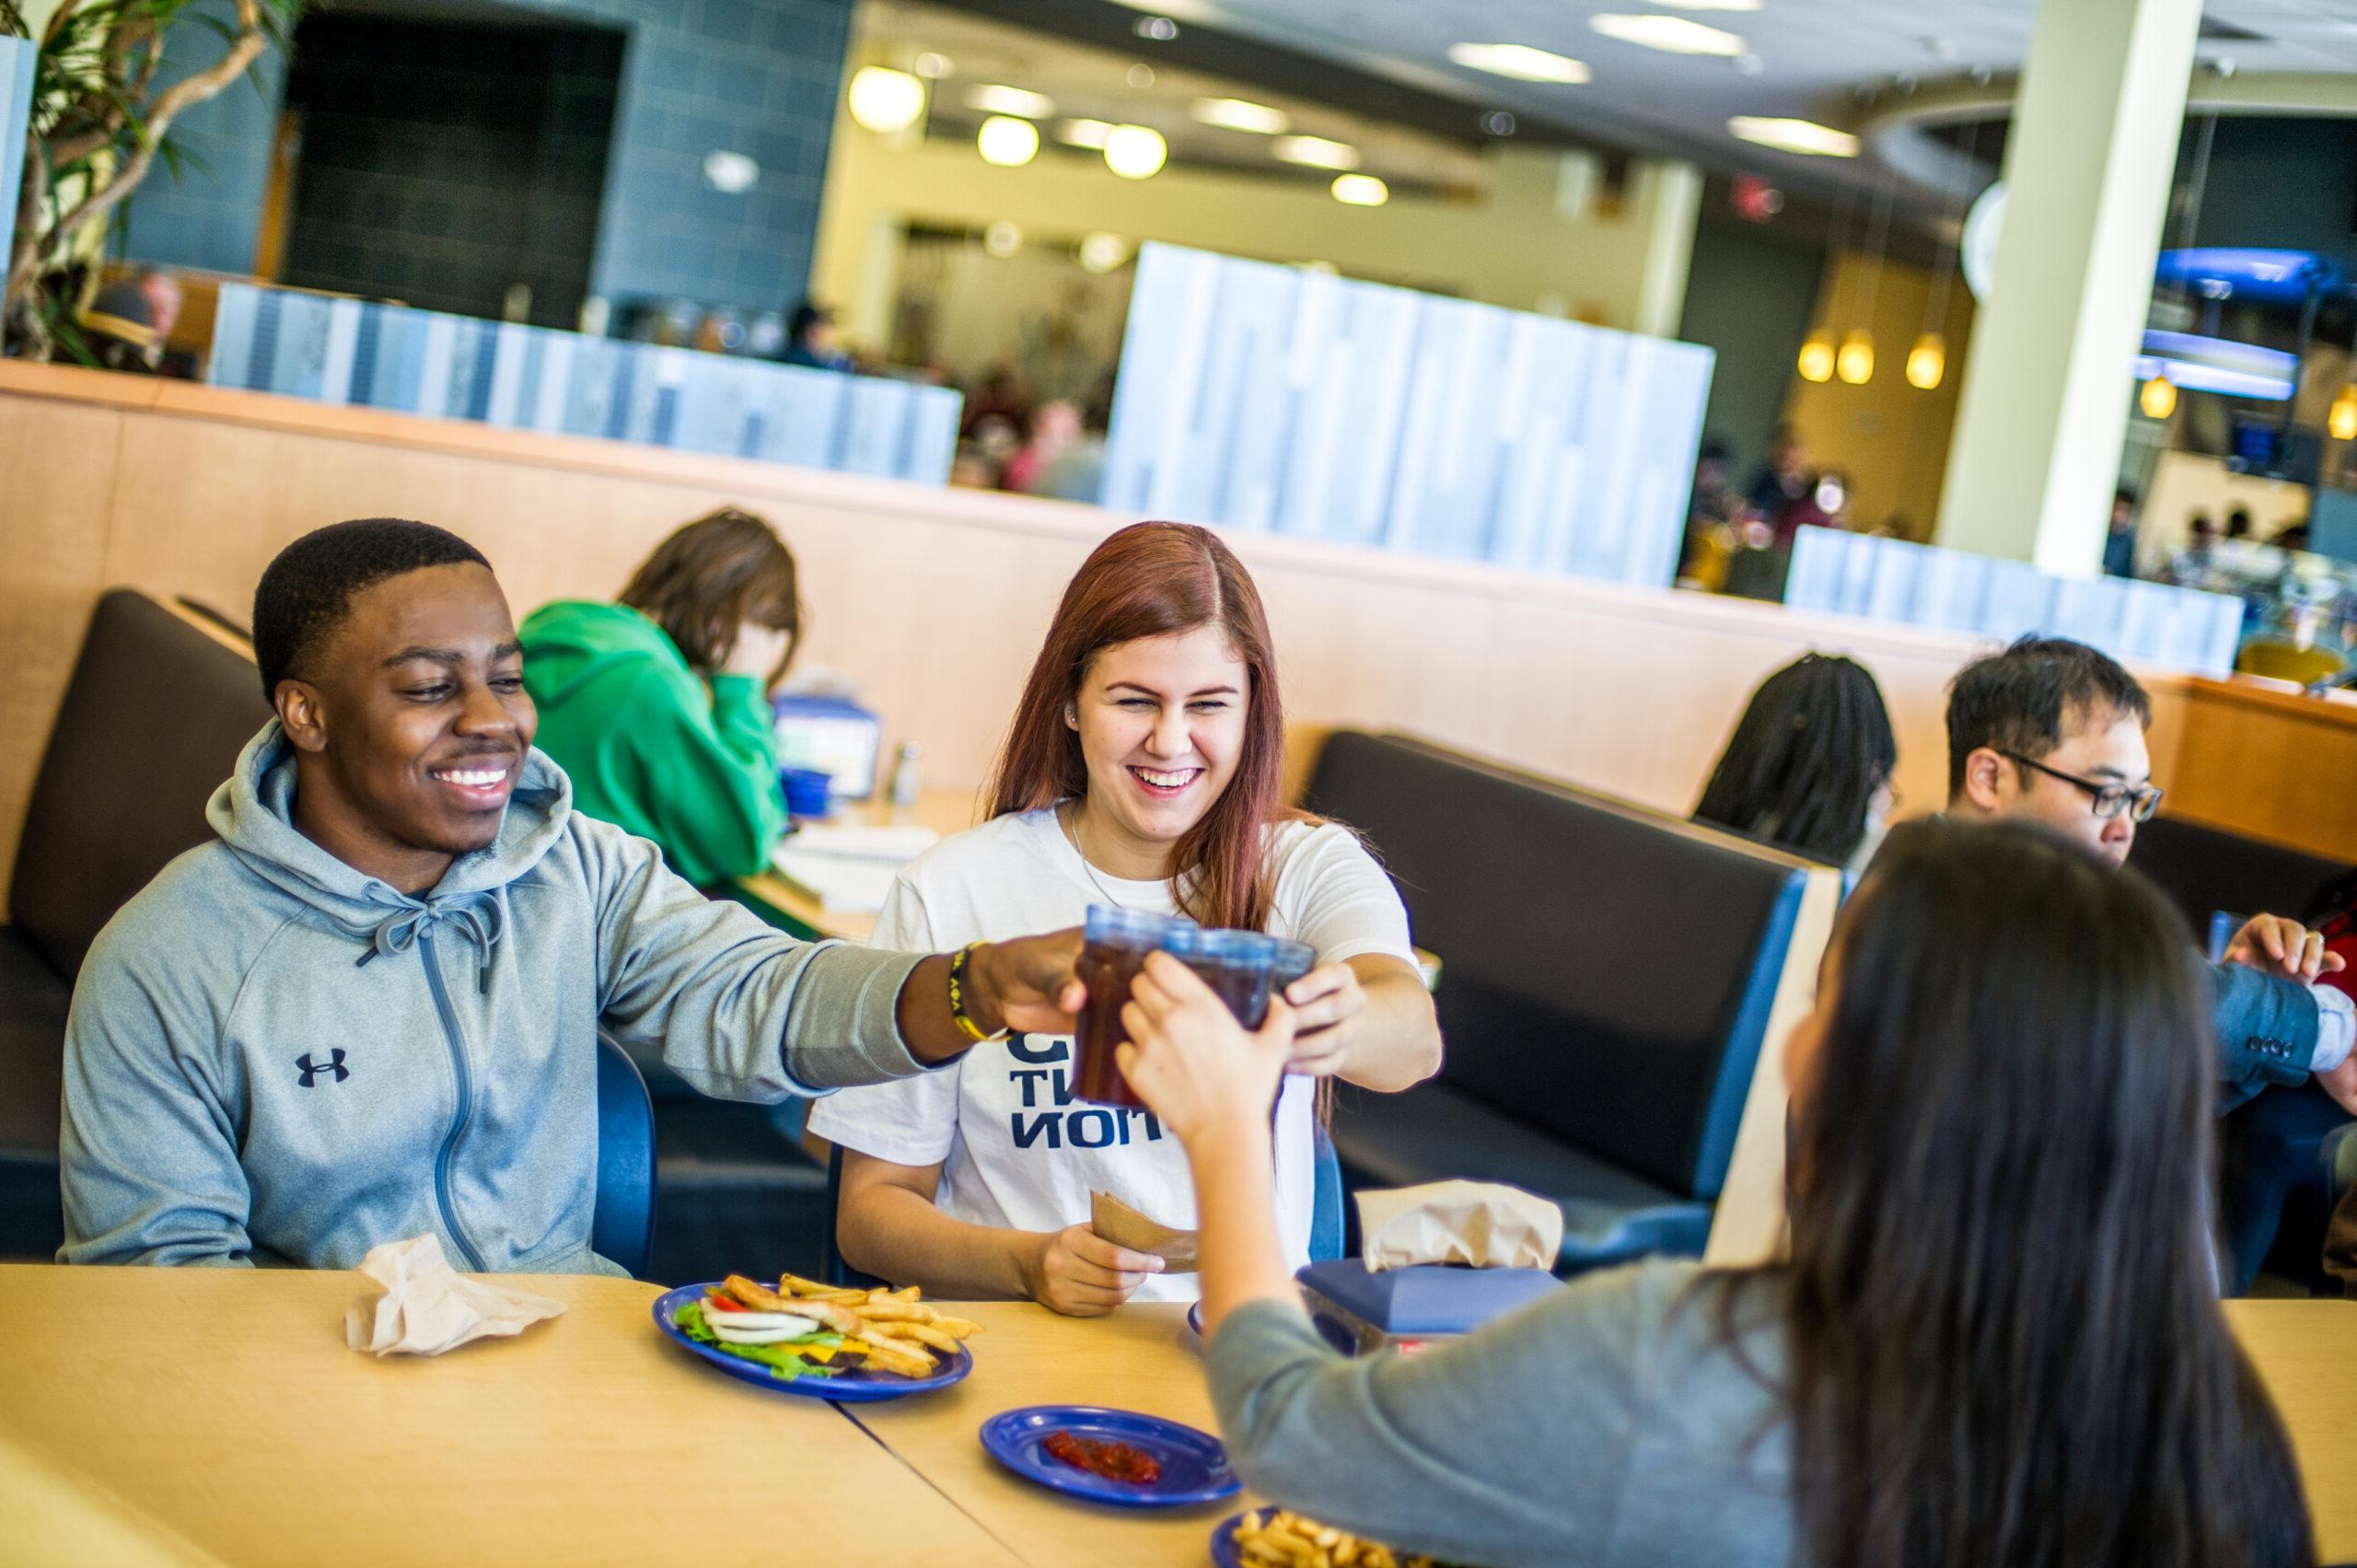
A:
(2053, 731)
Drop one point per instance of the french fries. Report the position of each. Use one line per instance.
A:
(1278, 1537)
(895, 1329)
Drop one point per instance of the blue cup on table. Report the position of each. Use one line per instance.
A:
(807, 791)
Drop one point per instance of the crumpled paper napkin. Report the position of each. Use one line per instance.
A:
(1486, 1224)
(419, 1306)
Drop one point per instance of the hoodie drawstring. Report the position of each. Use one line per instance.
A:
(482, 915)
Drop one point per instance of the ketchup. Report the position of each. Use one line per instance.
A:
(1114, 1461)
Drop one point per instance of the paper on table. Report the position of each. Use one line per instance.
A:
(894, 842)
(838, 882)
(1485, 1223)
(1116, 1221)
(422, 1307)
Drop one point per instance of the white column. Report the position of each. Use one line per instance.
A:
(2047, 384)
(1670, 194)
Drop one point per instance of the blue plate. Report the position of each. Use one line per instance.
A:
(1225, 1552)
(1195, 1321)
(860, 1387)
(1194, 1465)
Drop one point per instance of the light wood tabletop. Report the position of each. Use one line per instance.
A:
(2306, 1354)
(1140, 1358)
(199, 1412)
(945, 811)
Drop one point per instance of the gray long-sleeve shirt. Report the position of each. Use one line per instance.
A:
(1610, 1424)
(270, 1050)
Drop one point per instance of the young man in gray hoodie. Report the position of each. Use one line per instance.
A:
(368, 1009)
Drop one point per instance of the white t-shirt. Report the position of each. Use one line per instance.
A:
(1018, 1150)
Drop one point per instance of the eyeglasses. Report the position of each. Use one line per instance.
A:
(2111, 799)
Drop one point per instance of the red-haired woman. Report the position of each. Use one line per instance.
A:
(1141, 772)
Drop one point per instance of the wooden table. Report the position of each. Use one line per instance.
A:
(1140, 1358)
(2306, 1354)
(945, 811)
(178, 1416)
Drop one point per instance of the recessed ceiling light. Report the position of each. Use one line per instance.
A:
(1236, 114)
(1671, 35)
(1519, 61)
(1806, 136)
(883, 100)
(1317, 151)
(1135, 152)
(1089, 133)
(1003, 238)
(1161, 29)
(1360, 191)
(1007, 142)
(933, 66)
(1139, 77)
(1010, 100)
(1103, 252)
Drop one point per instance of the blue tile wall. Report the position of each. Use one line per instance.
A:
(755, 77)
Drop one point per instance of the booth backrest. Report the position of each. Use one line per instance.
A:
(152, 721)
(2207, 871)
(1608, 972)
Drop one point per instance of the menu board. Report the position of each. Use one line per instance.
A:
(1264, 397)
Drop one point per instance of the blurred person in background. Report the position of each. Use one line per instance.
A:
(1781, 480)
(130, 321)
(1054, 430)
(2120, 539)
(1809, 765)
(811, 341)
(657, 706)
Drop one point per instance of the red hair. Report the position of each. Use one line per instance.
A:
(1151, 580)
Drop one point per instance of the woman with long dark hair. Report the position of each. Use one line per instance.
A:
(1141, 772)
(1809, 766)
(1996, 1340)
(657, 707)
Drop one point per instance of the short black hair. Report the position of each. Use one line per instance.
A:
(807, 315)
(305, 593)
(2019, 700)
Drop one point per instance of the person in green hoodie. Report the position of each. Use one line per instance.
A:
(657, 707)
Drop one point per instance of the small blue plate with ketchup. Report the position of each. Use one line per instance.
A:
(1124, 1458)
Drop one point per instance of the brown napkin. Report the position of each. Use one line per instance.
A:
(419, 1306)
(1485, 1223)
(1124, 1226)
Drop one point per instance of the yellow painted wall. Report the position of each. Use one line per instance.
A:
(1536, 240)
(1892, 438)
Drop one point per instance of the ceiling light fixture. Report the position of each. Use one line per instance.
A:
(1236, 114)
(1007, 142)
(1316, 152)
(1927, 362)
(1010, 100)
(1360, 191)
(1671, 35)
(1161, 29)
(884, 100)
(1855, 363)
(2158, 400)
(1103, 252)
(1003, 238)
(933, 66)
(1802, 137)
(1135, 152)
(1089, 133)
(1519, 61)
(1816, 358)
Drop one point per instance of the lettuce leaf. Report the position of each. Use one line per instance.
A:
(780, 1358)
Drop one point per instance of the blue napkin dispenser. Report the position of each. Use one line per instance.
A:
(1398, 1308)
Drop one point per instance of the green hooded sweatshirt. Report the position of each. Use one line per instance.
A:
(651, 745)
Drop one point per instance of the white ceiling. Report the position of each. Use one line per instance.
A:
(1808, 58)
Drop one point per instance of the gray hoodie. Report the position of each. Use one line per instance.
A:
(272, 1051)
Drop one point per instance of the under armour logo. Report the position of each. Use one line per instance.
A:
(334, 1064)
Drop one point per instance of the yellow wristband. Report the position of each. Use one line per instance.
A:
(957, 1014)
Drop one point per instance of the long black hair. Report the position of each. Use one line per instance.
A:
(2005, 1346)
(1805, 760)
